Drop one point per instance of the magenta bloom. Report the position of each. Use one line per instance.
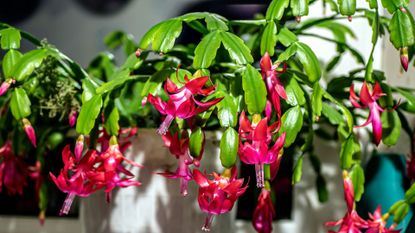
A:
(13, 171)
(256, 149)
(110, 172)
(368, 100)
(377, 224)
(182, 102)
(30, 132)
(351, 222)
(264, 213)
(73, 177)
(275, 88)
(217, 196)
(179, 147)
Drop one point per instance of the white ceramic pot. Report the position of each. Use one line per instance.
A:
(156, 205)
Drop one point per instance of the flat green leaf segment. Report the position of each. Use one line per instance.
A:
(206, 50)
(20, 104)
(89, 112)
(255, 90)
(292, 122)
(229, 145)
(10, 38)
(306, 57)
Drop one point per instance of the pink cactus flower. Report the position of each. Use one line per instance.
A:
(73, 177)
(217, 196)
(368, 100)
(6, 85)
(179, 147)
(377, 224)
(351, 222)
(275, 88)
(111, 172)
(182, 102)
(256, 149)
(264, 213)
(30, 132)
(13, 171)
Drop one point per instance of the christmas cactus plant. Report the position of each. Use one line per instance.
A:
(254, 80)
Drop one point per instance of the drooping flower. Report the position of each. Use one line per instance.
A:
(351, 222)
(179, 147)
(74, 179)
(182, 101)
(6, 85)
(30, 132)
(217, 196)
(111, 172)
(368, 100)
(257, 149)
(275, 88)
(377, 224)
(13, 171)
(264, 213)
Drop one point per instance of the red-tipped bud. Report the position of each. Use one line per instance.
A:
(72, 117)
(30, 132)
(298, 19)
(350, 18)
(79, 147)
(5, 86)
(404, 58)
(138, 53)
(402, 9)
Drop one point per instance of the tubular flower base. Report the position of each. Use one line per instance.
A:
(351, 222)
(217, 196)
(368, 100)
(264, 213)
(182, 102)
(256, 150)
(13, 171)
(72, 118)
(275, 88)
(179, 147)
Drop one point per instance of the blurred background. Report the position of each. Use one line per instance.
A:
(77, 27)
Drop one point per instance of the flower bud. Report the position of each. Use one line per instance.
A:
(30, 132)
(79, 147)
(72, 117)
(404, 58)
(5, 86)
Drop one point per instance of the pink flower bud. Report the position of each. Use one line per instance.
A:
(5, 86)
(72, 117)
(404, 58)
(30, 132)
(79, 147)
(138, 53)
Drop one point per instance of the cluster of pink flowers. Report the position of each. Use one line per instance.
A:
(352, 222)
(104, 169)
(182, 101)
